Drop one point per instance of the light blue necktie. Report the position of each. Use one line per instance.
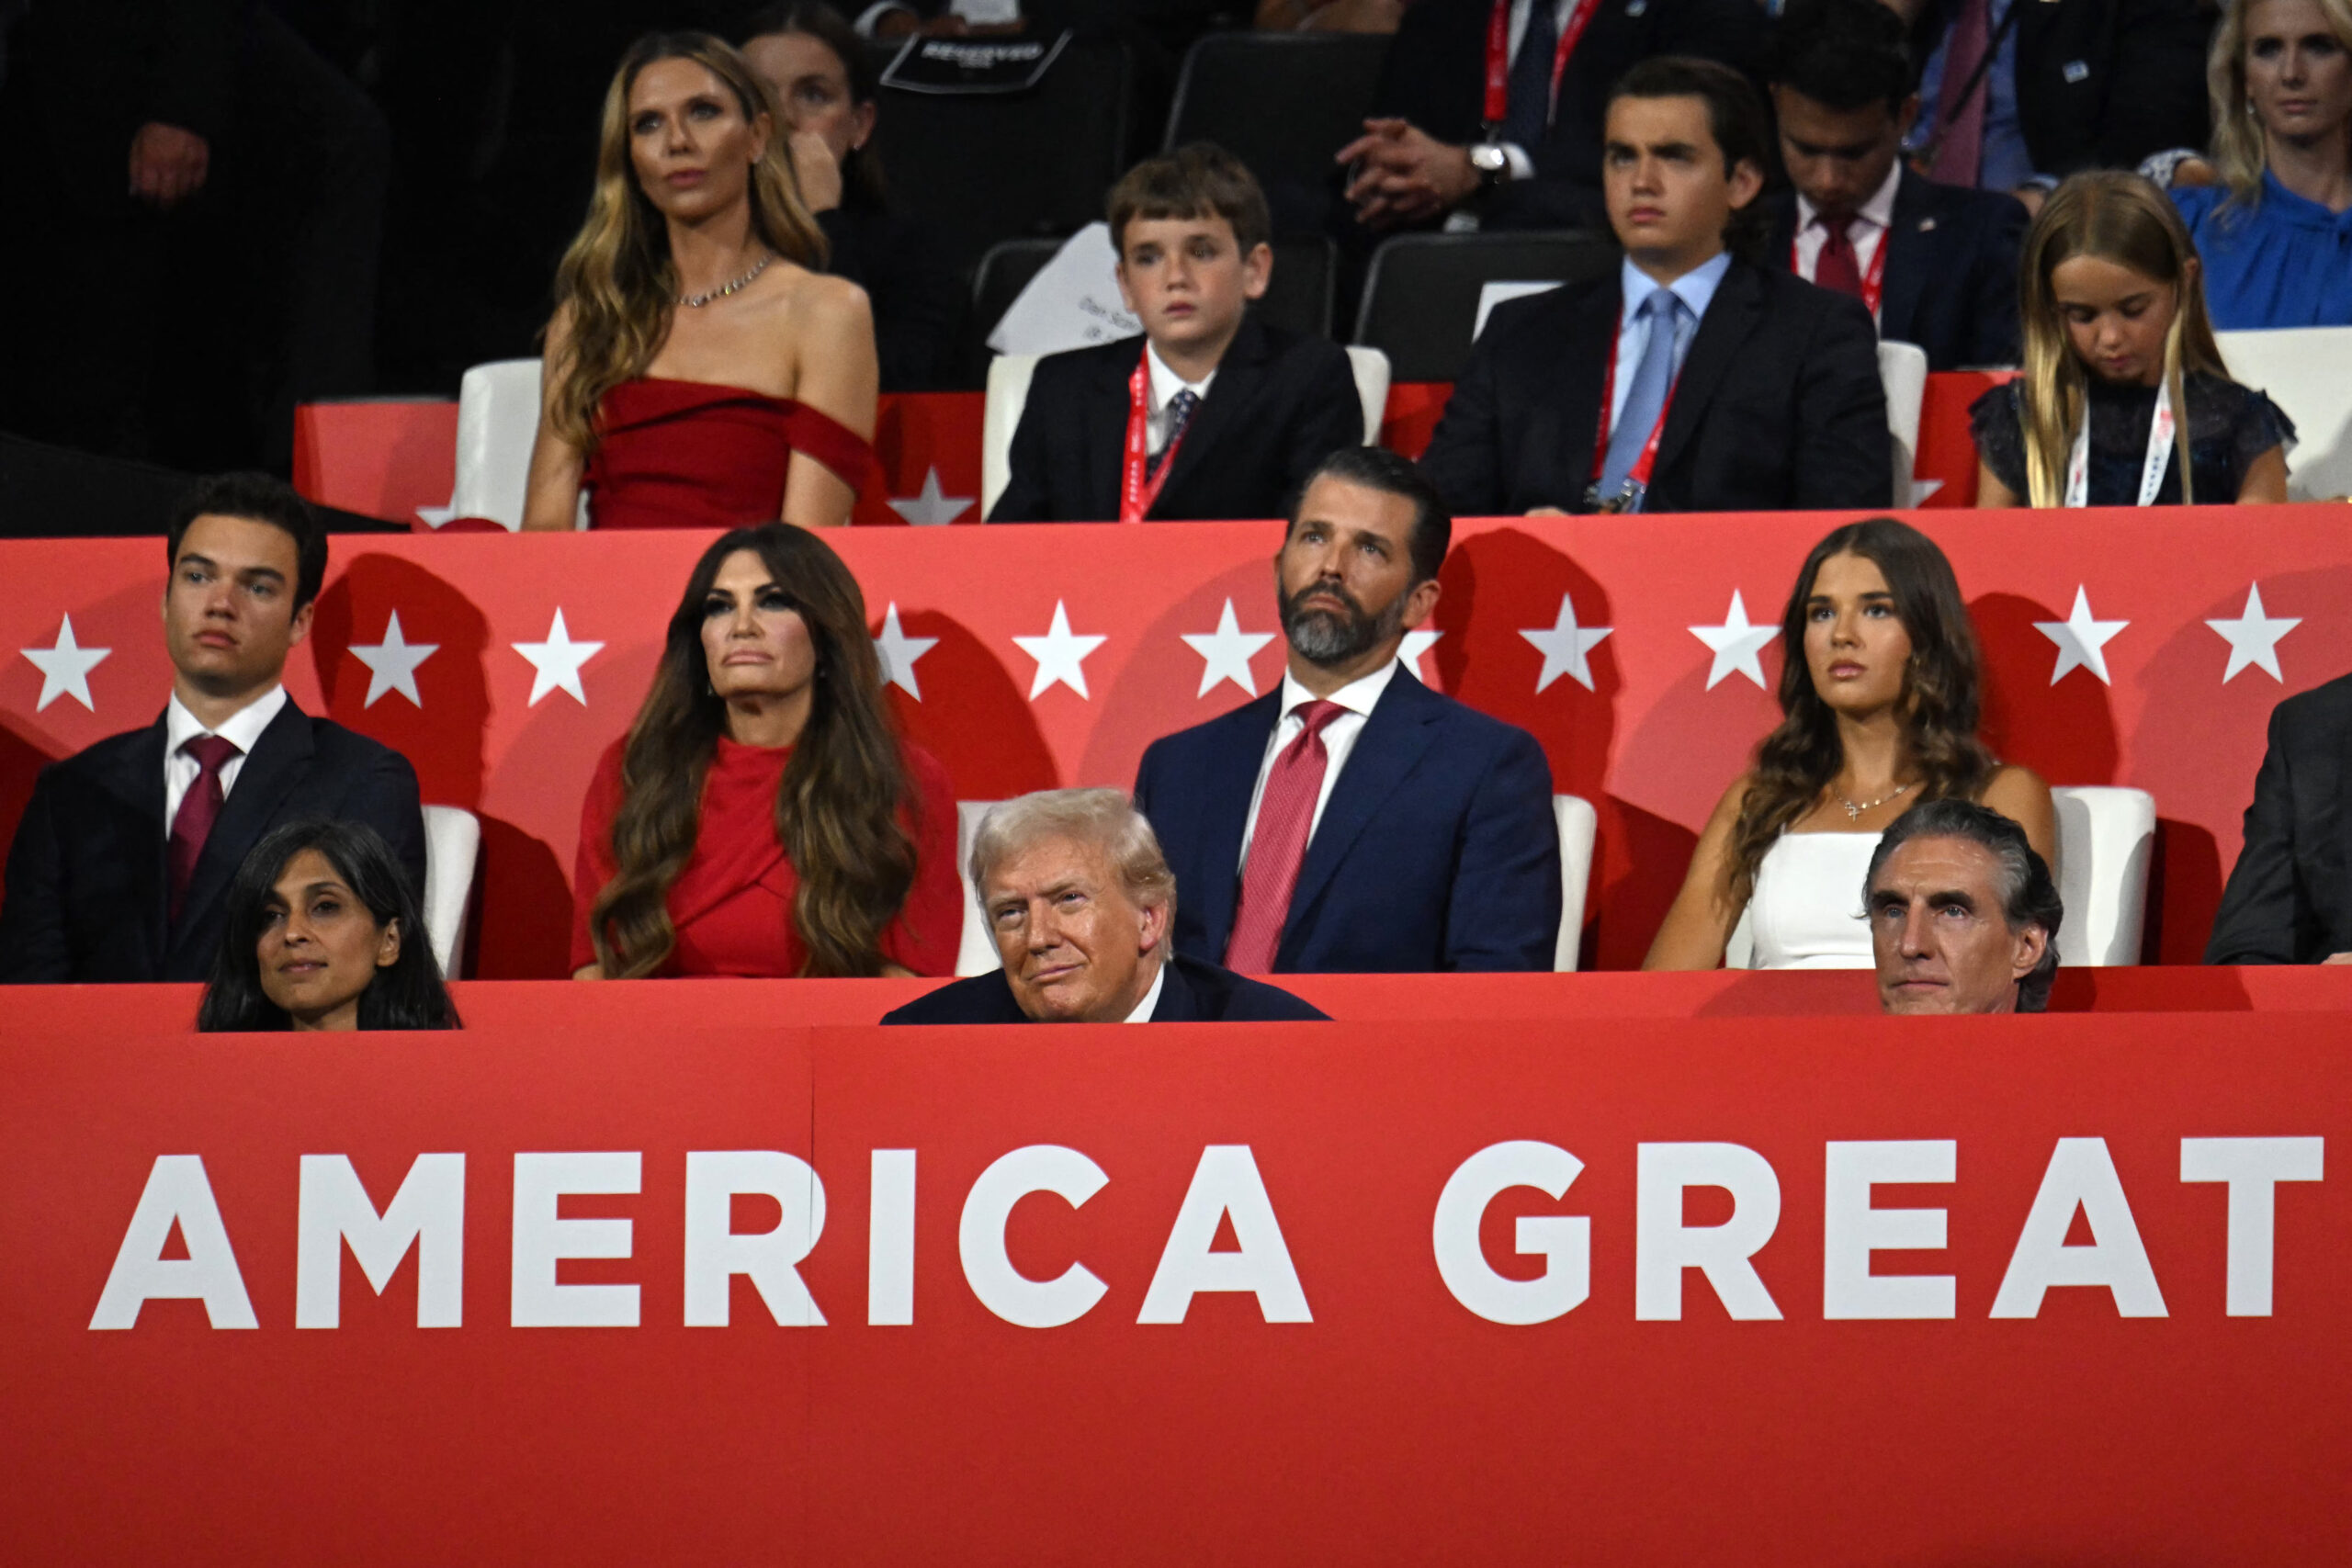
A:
(1645, 400)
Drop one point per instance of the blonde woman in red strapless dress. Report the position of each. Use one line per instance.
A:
(698, 373)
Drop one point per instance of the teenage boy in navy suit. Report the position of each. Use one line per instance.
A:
(1355, 821)
(1214, 413)
(1937, 264)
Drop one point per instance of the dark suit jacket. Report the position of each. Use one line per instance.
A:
(1280, 405)
(1436, 77)
(2102, 84)
(918, 300)
(1779, 405)
(1438, 849)
(87, 885)
(1194, 993)
(2290, 899)
(1952, 270)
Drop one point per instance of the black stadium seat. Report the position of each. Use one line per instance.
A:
(1420, 299)
(1283, 103)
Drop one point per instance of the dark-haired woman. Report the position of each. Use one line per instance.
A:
(699, 369)
(1879, 702)
(762, 816)
(827, 91)
(324, 932)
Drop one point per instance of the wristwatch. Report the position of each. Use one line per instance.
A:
(1493, 167)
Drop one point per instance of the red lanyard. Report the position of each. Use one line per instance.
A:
(1499, 56)
(1137, 492)
(1873, 281)
(1637, 478)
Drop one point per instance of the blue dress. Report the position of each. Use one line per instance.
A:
(2281, 261)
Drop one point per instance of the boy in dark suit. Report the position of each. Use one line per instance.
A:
(1355, 821)
(1215, 415)
(1937, 264)
(1692, 379)
(126, 850)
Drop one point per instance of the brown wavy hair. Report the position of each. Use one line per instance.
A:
(617, 279)
(1938, 711)
(838, 811)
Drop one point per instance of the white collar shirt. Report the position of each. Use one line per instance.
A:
(241, 729)
(1866, 231)
(1152, 998)
(1165, 384)
(1696, 289)
(1358, 699)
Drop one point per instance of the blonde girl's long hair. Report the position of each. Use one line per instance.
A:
(2126, 219)
(617, 280)
(2241, 146)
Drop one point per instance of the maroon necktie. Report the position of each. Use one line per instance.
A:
(200, 808)
(1286, 816)
(1835, 267)
(1960, 128)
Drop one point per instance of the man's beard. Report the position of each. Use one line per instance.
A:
(1330, 638)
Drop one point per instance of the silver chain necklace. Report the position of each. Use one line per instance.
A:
(1854, 812)
(696, 301)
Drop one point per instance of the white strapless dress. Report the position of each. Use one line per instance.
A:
(1807, 911)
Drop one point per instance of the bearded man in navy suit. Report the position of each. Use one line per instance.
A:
(1355, 821)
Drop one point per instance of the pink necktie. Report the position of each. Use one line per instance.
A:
(198, 810)
(1960, 128)
(1836, 267)
(1285, 815)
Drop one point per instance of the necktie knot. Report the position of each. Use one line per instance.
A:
(212, 752)
(1316, 716)
(1179, 414)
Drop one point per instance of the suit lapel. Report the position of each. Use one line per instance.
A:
(1177, 1003)
(1906, 258)
(279, 761)
(1592, 336)
(1393, 741)
(137, 788)
(1238, 376)
(1732, 315)
(1224, 814)
(1103, 416)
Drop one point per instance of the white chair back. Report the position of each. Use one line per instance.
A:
(498, 419)
(452, 844)
(2106, 838)
(976, 953)
(2304, 370)
(1371, 367)
(1000, 416)
(1578, 824)
(1903, 371)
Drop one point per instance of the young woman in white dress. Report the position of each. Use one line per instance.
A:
(1878, 699)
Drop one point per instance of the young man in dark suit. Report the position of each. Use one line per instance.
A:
(1080, 899)
(1693, 380)
(1214, 413)
(1355, 821)
(126, 848)
(2289, 897)
(1938, 264)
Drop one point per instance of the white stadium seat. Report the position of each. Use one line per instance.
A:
(452, 843)
(1903, 371)
(1578, 824)
(2308, 372)
(1371, 367)
(498, 418)
(2106, 838)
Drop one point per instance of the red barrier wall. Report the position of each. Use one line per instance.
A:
(1367, 1415)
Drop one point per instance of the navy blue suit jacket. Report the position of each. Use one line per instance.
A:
(1193, 993)
(1438, 849)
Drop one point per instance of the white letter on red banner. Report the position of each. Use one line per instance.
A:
(540, 1238)
(1663, 1246)
(1851, 1230)
(2252, 1166)
(2081, 1174)
(428, 1213)
(1003, 1289)
(177, 1189)
(716, 1252)
(1564, 1240)
(1226, 1182)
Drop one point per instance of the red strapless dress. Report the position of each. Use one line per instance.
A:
(696, 454)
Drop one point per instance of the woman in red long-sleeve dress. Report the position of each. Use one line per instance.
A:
(763, 817)
(699, 369)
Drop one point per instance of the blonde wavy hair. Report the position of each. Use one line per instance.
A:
(2126, 219)
(618, 279)
(2241, 146)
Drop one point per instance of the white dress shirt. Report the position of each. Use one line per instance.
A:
(241, 729)
(1151, 998)
(1165, 384)
(1696, 288)
(1358, 699)
(1865, 232)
